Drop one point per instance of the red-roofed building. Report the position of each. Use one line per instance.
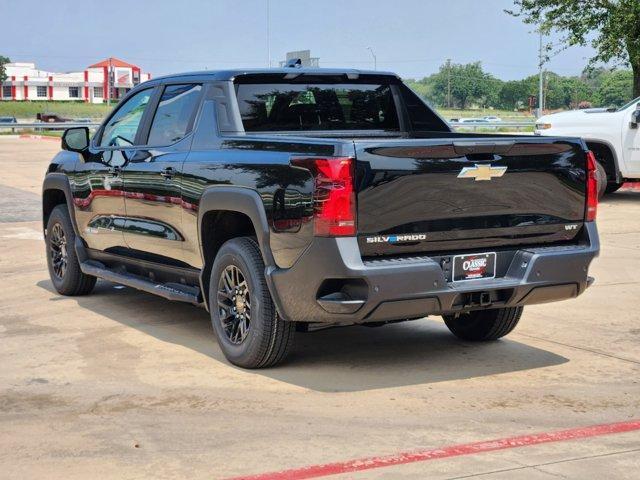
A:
(26, 82)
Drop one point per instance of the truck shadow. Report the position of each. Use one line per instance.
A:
(342, 359)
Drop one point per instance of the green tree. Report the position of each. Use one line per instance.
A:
(3, 72)
(576, 91)
(470, 85)
(593, 76)
(615, 89)
(424, 88)
(464, 84)
(514, 94)
(612, 27)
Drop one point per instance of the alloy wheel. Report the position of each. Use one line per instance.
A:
(58, 250)
(234, 304)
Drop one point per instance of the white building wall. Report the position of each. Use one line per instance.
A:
(60, 83)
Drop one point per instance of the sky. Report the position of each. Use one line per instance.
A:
(409, 37)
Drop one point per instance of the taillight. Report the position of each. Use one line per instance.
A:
(333, 197)
(592, 188)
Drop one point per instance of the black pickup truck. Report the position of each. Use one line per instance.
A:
(282, 198)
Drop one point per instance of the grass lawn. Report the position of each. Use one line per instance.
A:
(28, 110)
(41, 133)
(506, 115)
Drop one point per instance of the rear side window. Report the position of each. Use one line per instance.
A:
(122, 127)
(173, 115)
(292, 107)
(421, 117)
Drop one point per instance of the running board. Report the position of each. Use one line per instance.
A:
(171, 291)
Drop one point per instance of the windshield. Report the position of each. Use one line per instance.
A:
(627, 105)
(300, 107)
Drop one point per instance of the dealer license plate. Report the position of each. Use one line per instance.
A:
(474, 266)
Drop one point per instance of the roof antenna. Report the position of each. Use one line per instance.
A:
(293, 63)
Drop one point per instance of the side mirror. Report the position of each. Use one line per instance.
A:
(635, 117)
(75, 139)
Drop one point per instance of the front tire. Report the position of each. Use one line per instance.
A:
(64, 267)
(249, 330)
(483, 325)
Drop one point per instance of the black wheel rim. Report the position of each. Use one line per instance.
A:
(234, 304)
(58, 250)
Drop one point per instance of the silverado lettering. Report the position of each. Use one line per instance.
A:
(397, 238)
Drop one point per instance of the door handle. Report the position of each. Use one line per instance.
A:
(167, 173)
(115, 171)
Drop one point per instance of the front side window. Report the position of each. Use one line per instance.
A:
(74, 92)
(6, 91)
(171, 120)
(41, 91)
(340, 106)
(98, 92)
(627, 105)
(122, 127)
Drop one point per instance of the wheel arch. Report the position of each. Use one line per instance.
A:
(57, 191)
(606, 154)
(225, 213)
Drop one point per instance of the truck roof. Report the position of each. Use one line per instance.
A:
(225, 75)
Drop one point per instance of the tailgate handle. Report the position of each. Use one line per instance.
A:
(476, 146)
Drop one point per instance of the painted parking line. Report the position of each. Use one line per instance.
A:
(28, 136)
(369, 463)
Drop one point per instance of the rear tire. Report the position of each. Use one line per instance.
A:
(62, 260)
(613, 187)
(249, 330)
(601, 175)
(484, 325)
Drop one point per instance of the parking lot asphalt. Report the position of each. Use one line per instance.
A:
(122, 384)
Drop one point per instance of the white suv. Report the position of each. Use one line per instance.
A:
(613, 136)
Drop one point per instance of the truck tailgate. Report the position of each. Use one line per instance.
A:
(465, 194)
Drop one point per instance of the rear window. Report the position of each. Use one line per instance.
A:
(291, 107)
(176, 107)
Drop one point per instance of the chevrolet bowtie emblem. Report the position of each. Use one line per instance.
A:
(482, 172)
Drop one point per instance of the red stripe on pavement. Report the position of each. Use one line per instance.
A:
(631, 186)
(314, 471)
(39, 137)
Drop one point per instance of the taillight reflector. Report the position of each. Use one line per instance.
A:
(334, 195)
(592, 188)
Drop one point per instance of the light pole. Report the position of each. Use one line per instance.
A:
(268, 36)
(448, 82)
(109, 83)
(540, 77)
(375, 60)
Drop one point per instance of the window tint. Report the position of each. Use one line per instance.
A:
(175, 109)
(421, 117)
(121, 129)
(284, 106)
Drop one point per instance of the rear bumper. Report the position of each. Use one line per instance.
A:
(331, 283)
